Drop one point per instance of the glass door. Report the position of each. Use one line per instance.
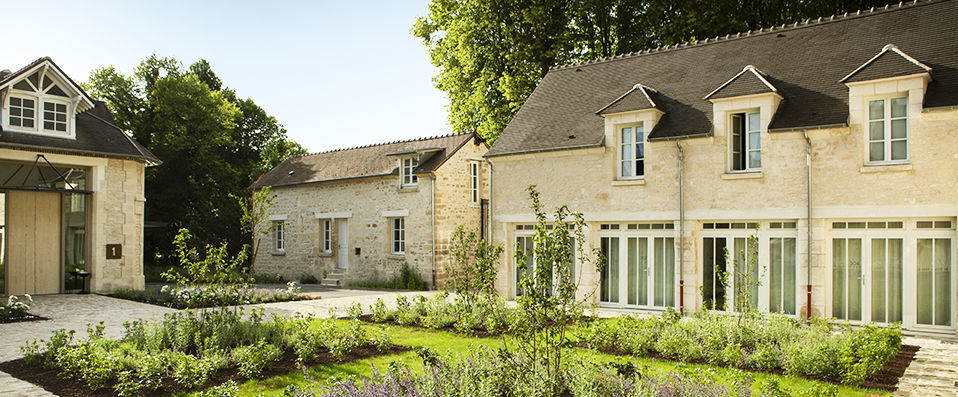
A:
(609, 279)
(782, 275)
(847, 278)
(524, 245)
(638, 273)
(714, 270)
(934, 281)
(886, 280)
(664, 271)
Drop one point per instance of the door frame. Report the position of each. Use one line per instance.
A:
(342, 243)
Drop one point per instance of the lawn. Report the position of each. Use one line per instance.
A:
(457, 344)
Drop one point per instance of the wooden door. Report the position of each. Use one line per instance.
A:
(33, 246)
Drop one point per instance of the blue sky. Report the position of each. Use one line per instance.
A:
(335, 73)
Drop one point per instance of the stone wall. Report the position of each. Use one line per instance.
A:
(843, 188)
(360, 203)
(454, 205)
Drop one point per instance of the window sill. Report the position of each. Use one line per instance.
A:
(408, 189)
(628, 182)
(395, 256)
(324, 254)
(279, 253)
(892, 167)
(742, 175)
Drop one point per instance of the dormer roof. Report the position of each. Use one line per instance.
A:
(46, 66)
(747, 82)
(890, 62)
(639, 97)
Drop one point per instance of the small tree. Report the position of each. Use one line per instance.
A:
(209, 277)
(548, 305)
(254, 218)
(472, 274)
(745, 264)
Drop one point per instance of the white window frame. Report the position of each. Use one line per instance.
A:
(474, 181)
(747, 135)
(407, 176)
(636, 140)
(66, 114)
(279, 236)
(887, 139)
(651, 231)
(40, 96)
(528, 231)
(17, 94)
(397, 233)
(327, 235)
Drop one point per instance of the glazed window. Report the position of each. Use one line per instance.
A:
(408, 178)
(888, 130)
(54, 116)
(22, 112)
(632, 152)
(746, 144)
(279, 233)
(399, 235)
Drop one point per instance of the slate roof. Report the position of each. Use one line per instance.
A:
(890, 62)
(361, 162)
(805, 61)
(638, 98)
(747, 82)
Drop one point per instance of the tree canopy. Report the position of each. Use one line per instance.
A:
(491, 54)
(213, 144)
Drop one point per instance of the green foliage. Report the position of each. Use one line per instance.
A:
(210, 141)
(472, 273)
(307, 278)
(774, 343)
(491, 55)
(188, 348)
(254, 218)
(379, 312)
(355, 311)
(407, 278)
(253, 359)
(14, 308)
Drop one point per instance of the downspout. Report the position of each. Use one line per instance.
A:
(681, 230)
(489, 209)
(808, 183)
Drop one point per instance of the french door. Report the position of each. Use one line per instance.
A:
(639, 269)
(894, 272)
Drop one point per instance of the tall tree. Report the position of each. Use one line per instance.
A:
(213, 145)
(492, 53)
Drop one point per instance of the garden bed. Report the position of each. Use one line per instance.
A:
(47, 378)
(256, 296)
(24, 318)
(476, 333)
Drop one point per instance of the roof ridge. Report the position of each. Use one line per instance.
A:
(382, 144)
(751, 33)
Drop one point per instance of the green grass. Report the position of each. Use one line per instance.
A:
(455, 344)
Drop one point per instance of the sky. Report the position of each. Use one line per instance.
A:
(336, 74)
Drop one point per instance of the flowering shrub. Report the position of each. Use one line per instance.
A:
(821, 350)
(15, 308)
(188, 348)
(490, 315)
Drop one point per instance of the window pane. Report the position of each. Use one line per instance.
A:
(28, 123)
(893, 273)
(61, 108)
(627, 152)
(899, 129)
(775, 275)
(838, 278)
(639, 150)
(754, 140)
(899, 107)
(48, 125)
(627, 168)
(29, 103)
(14, 111)
(626, 135)
(755, 159)
(876, 130)
(942, 281)
(854, 279)
(876, 151)
(639, 167)
(876, 110)
(15, 121)
(633, 270)
(669, 285)
(48, 106)
(659, 272)
(788, 279)
(925, 274)
(899, 150)
(878, 280)
(28, 110)
(754, 122)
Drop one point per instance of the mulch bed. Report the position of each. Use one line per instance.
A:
(886, 379)
(47, 378)
(27, 317)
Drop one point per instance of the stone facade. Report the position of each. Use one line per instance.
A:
(845, 188)
(114, 216)
(431, 211)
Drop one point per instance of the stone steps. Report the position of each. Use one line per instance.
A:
(335, 278)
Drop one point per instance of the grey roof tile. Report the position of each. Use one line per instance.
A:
(804, 61)
(359, 162)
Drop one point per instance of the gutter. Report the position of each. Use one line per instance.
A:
(681, 230)
(489, 240)
(433, 210)
(810, 127)
(808, 183)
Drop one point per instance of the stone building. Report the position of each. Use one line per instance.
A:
(361, 213)
(834, 143)
(71, 187)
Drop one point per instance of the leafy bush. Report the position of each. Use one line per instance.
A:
(355, 311)
(379, 312)
(407, 278)
(189, 347)
(307, 278)
(776, 343)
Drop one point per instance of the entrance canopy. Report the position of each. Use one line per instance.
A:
(42, 176)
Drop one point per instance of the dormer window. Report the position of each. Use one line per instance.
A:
(406, 175)
(39, 103)
(746, 141)
(888, 130)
